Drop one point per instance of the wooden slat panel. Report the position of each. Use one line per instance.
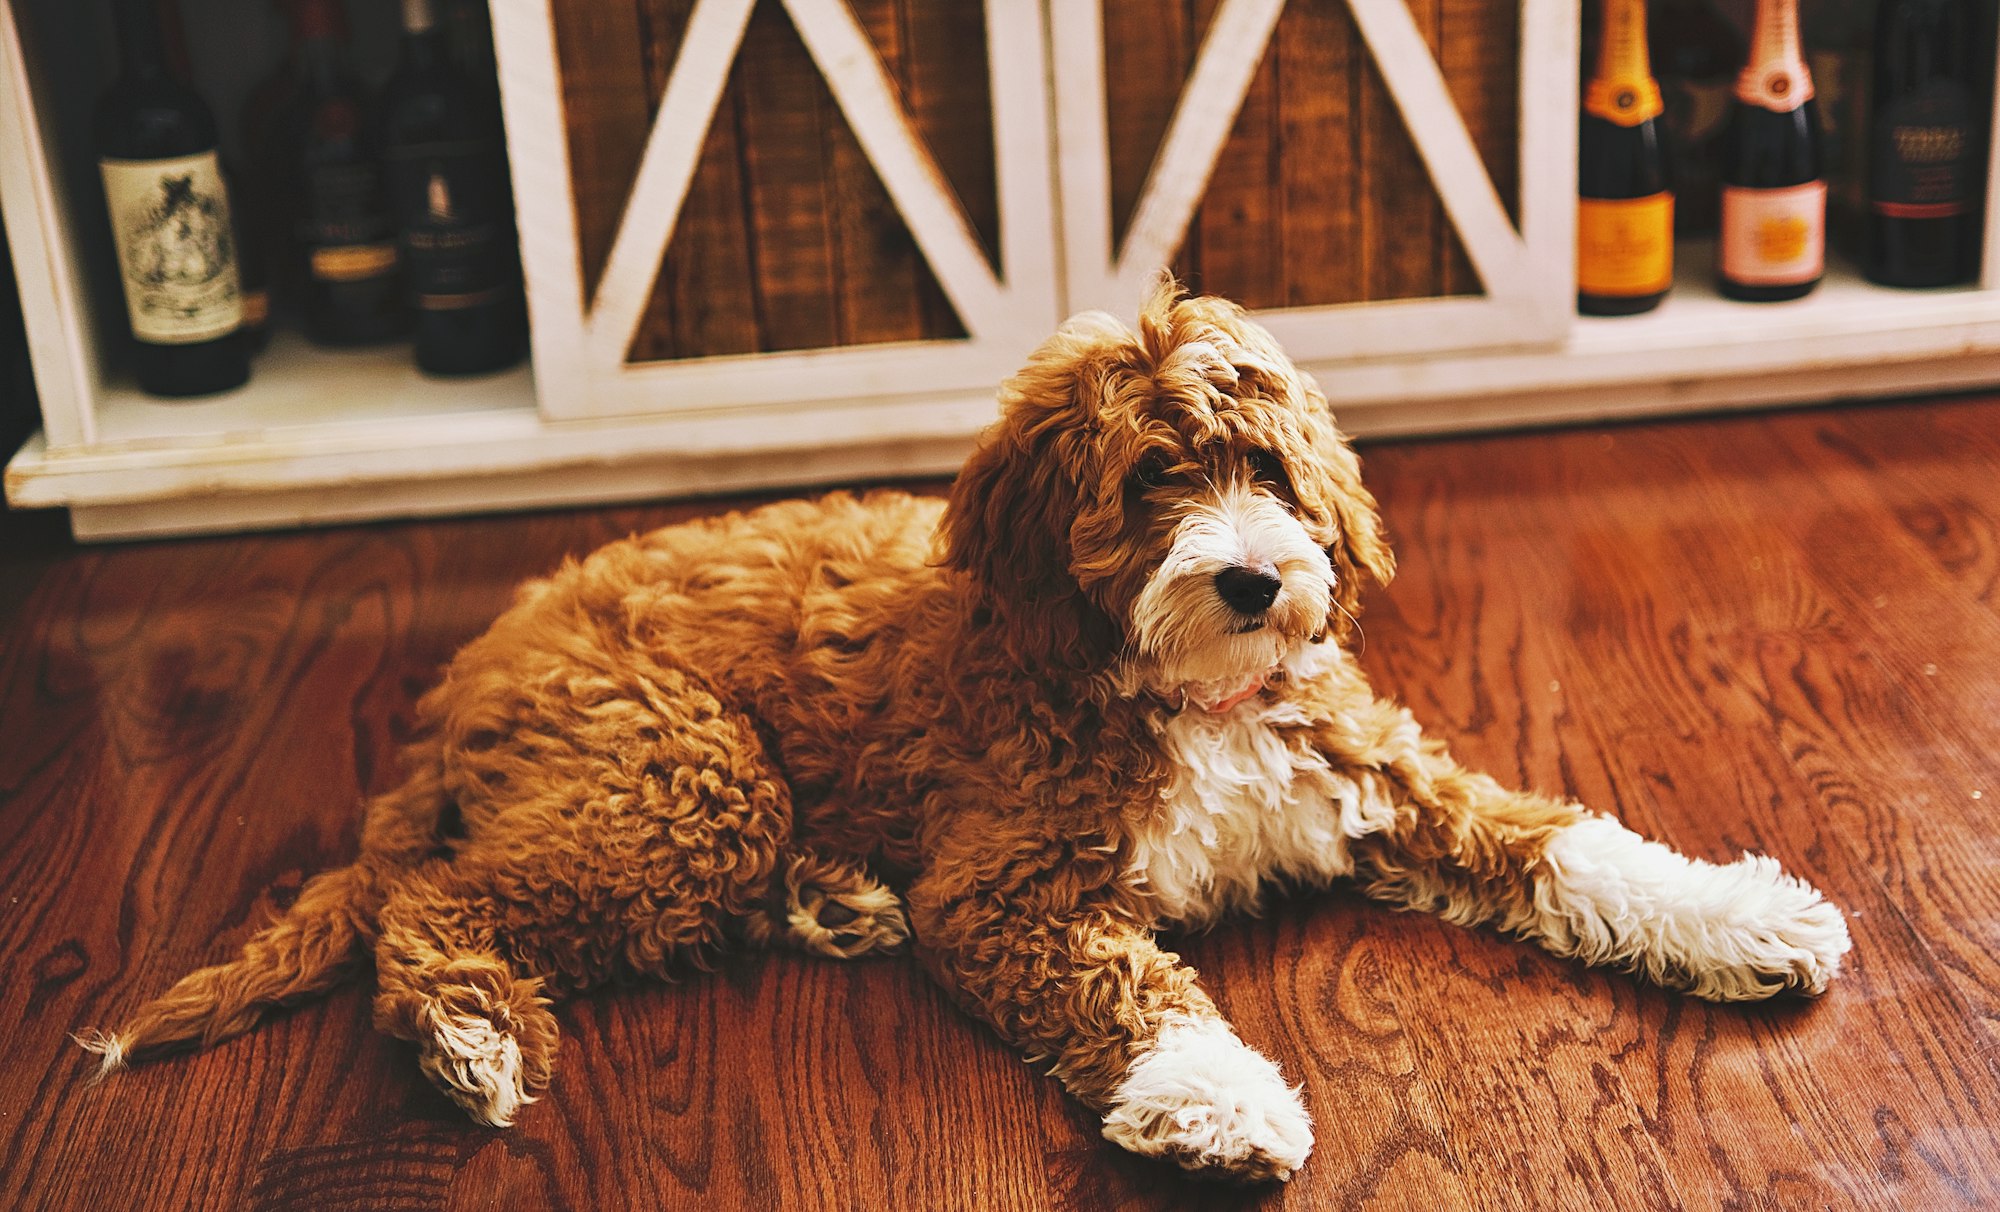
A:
(788, 239)
(1319, 56)
(1239, 236)
(879, 263)
(947, 92)
(1401, 217)
(704, 299)
(608, 108)
(1149, 49)
(1478, 44)
(783, 114)
(1318, 195)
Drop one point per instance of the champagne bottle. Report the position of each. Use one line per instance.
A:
(447, 167)
(170, 219)
(1625, 210)
(353, 292)
(1773, 192)
(1922, 146)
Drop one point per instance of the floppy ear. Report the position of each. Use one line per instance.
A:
(1359, 551)
(1005, 522)
(1008, 521)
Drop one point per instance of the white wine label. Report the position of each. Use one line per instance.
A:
(176, 249)
(1774, 237)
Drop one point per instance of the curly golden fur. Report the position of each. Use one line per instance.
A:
(1101, 689)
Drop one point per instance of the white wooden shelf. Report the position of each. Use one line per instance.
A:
(321, 436)
(304, 395)
(1698, 351)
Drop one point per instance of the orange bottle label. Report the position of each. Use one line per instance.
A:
(1625, 246)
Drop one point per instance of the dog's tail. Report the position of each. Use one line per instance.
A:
(311, 948)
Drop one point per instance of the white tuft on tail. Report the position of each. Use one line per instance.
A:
(110, 1049)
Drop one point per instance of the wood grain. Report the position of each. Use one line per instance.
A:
(1773, 633)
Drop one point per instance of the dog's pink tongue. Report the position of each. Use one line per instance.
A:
(1243, 695)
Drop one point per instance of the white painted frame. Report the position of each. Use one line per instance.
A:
(580, 345)
(1527, 274)
(40, 236)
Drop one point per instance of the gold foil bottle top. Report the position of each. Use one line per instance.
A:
(1622, 89)
(1775, 76)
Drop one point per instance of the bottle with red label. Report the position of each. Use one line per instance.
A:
(1625, 210)
(1923, 148)
(1773, 239)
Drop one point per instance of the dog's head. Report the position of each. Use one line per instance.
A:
(1177, 497)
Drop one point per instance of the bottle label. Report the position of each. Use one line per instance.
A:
(1775, 76)
(176, 248)
(344, 225)
(353, 262)
(1625, 246)
(1774, 237)
(1921, 155)
(451, 204)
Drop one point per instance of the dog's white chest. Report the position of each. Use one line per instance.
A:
(1249, 801)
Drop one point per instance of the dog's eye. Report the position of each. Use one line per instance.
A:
(1269, 469)
(1151, 472)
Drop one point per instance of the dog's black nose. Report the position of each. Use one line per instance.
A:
(1250, 590)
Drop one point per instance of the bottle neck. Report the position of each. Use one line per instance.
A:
(319, 32)
(1623, 90)
(1775, 76)
(423, 50)
(322, 21)
(419, 16)
(142, 48)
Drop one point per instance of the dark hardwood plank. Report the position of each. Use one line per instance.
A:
(1774, 633)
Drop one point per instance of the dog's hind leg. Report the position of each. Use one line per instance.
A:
(483, 1031)
(628, 825)
(834, 907)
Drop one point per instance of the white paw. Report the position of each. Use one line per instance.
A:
(1779, 934)
(1206, 1100)
(478, 1065)
(1730, 933)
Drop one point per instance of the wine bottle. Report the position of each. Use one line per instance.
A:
(1922, 142)
(352, 290)
(1773, 192)
(1696, 53)
(243, 208)
(170, 219)
(1625, 210)
(447, 167)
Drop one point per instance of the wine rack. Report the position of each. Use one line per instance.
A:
(826, 284)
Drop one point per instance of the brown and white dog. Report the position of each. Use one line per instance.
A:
(1100, 690)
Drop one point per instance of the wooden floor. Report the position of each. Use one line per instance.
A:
(1778, 633)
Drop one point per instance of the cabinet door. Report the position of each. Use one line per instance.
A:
(828, 208)
(1373, 177)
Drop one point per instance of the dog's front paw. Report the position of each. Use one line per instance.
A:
(1777, 934)
(1730, 933)
(1204, 1099)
